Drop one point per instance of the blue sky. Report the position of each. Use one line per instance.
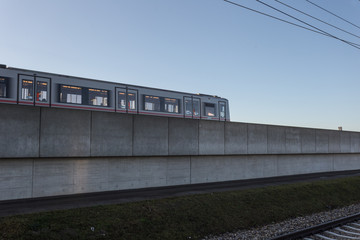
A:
(271, 72)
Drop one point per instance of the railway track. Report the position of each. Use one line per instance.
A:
(343, 228)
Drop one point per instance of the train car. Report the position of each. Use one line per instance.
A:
(34, 88)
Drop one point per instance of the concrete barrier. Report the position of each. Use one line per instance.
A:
(293, 140)
(211, 138)
(50, 151)
(334, 142)
(53, 132)
(91, 175)
(355, 142)
(151, 137)
(303, 164)
(321, 141)
(236, 138)
(19, 131)
(345, 142)
(346, 162)
(64, 133)
(53, 177)
(41, 177)
(257, 139)
(183, 136)
(111, 134)
(308, 142)
(276, 140)
(16, 178)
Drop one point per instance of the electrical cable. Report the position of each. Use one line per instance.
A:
(317, 19)
(333, 14)
(328, 34)
(291, 23)
(268, 15)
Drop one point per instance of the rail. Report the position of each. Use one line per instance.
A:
(318, 228)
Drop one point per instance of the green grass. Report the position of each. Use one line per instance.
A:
(185, 217)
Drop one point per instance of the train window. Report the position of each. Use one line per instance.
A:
(151, 103)
(27, 90)
(98, 97)
(210, 110)
(3, 87)
(222, 110)
(132, 101)
(171, 105)
(188, 106)
(196, 107)
(121, 100)
(41, 91)
(70, 94)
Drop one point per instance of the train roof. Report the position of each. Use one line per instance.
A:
(96, 80)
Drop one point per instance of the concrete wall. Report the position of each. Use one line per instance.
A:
(64, 133)
(40, 177)
(19, 131)
(49, 151)
(111, 134)
(50, 132)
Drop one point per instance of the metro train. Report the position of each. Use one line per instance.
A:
(33, 88)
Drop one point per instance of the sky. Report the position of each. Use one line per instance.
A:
(270, 71)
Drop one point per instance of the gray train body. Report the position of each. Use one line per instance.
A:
(27, 87)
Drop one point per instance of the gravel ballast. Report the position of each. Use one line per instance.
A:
(288, 226)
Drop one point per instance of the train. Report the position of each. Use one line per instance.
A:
(34, 88)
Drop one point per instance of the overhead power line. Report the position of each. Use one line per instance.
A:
(317, 19)
(268, 15)
(333, 14)
(291, 23)
(328, 34)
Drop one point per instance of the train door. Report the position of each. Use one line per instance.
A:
(34, 90)
(192, 107)
(26, 90)
(42, 91)
(121, 99)
(222, 111)
(4, 86)
(132, 100)
(126, 100)
(196, 108)
(188, 107)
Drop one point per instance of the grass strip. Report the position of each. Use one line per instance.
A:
(188, 217)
